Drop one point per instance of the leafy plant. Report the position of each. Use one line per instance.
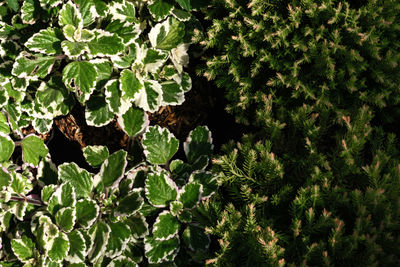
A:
(116, 58)
(122, 215)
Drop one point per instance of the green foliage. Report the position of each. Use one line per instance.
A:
(108, 56)
(317, 181)
(123, 214)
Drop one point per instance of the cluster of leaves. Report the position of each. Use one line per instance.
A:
(120, 216)
(117, 58)
(317, 182)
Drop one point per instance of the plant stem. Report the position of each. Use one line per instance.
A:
(29, 200)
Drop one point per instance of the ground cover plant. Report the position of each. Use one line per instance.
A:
(119, 61)
(316, 183)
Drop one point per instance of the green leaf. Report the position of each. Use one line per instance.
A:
(166, 226)
(195, 238)
(198, 144)
(154, 59)
(99, 235)
(180, 14)
(19, 209)
(13, 4)
(59, 248)
(88, 11)
(104, 70)
(129, 204)
(4, 127)
(21, 184)
(190, 194)
(172, 94)
(167, 35)
(47, 172)
(70, 15)
(80, 77)
(69, 32)
(6, 147)
(160, 189)
(97, 112)
(123, 11)
(150, 96)
(77, 252)
(5, 30)
(138, 225)
(66, 218)
(42, 126)
(116, 103)
(157, 251)
(95, 155)
(119, 237)
(74, 49)
(122, 261)
(86, 212)
(47, 192)
(207, 179)
(46, 41)
(159, 145)
(113, 168)
(134, 121)
(128, 32)
(105, 44)
(129, 84)
(175, 207)
(63, 196)
(79, 178)
(32, 66)
(185, 216)
(184, 4)
(33, 148)
(23, 248)
(29, 11)
(160, 9)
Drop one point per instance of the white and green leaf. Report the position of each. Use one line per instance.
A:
(80, 77)
(129, 84)
(63, 196)
(74, 49)
(166, 226)
(198, 144)
(88, 11)
(46, 41)
(123, 11)
(6, 147)
(66, 218)
(70, 15)
(105, 44)
(149, 97)
(167, 35)
(157, 251)
(97, 112)
(116, 103)
(78, 250)
(160, 189)
(172, 94)
(207, 179)
(29, 12)
(79, 178)
(190, 194)
(99, 235)
(33, 149)
(95, 155)
(59, 248)
(113, 168)
(129, 204)
(23, 248)
(139, 226)
(32, 66)
(86, 212)
(128, 32)
(119, 237)
(160, 9)
(159, 144)
(134, 121)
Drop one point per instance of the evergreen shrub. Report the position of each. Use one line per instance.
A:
(318, 180)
